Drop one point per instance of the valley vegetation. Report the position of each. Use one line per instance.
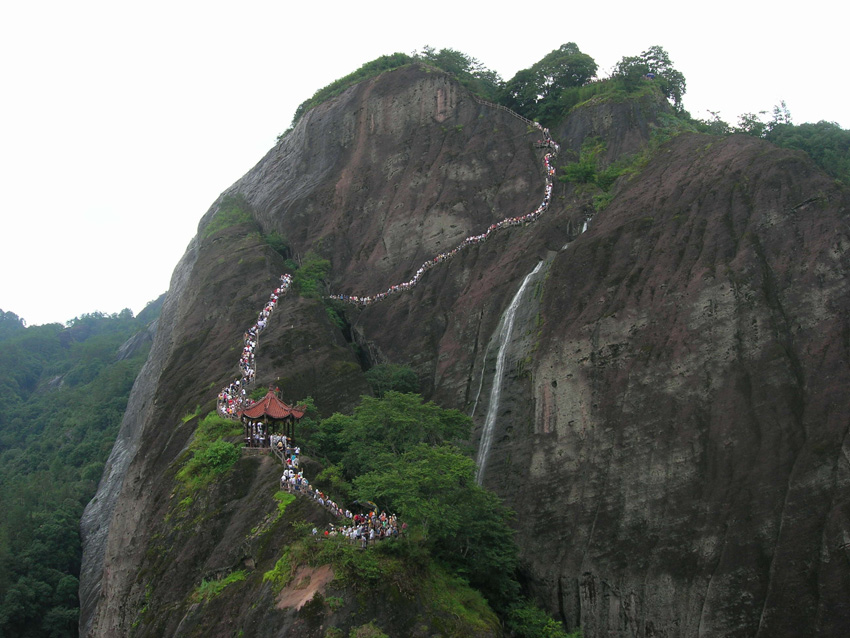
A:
(63, 391)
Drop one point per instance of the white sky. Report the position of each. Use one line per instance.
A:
(120, 123)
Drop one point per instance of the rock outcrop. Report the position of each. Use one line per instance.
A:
(673, 425)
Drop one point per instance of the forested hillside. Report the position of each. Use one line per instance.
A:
(63, 390)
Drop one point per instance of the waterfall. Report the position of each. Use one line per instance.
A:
(505, 334)
(481, 382)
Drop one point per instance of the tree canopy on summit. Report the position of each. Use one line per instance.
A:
(534, 91)
(655, 61)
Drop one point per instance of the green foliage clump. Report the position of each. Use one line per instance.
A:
(308, 278)
(392, 377)
(282, 572)
(335, 310)
(283, 499)
(382, 428)
(191, 415)
(469, 72)
(309, 423)
(214, 427)
(209, 589)
(526, 620)
(404, 455)
(211, 455)
(352, 565)
(366, 71)
(232, 211)
(207, 462)
(826, 142)
(589, 169)
(458, 607)
(369, 630)
(589, 173)
(10, 324)
(258, 393)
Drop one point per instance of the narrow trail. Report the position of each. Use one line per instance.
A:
(508, 222)
(234, 397)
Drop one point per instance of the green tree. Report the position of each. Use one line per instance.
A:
(563, 68)
(655, 60)
(826, 142)
(752, 124)
(522, 92)
(382, 428)
(10, 324)
(535, 92)
(468, 70)
(713, 125)
(433, 488)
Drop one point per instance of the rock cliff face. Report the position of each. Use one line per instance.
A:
(674, 416)
(687, 432)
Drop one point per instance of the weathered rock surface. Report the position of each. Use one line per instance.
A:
(673, 430)
(688, 442)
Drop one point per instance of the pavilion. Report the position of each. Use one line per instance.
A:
(275, 417)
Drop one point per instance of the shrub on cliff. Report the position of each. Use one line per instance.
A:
(826, 142)
(526, 620)
(470, 72)
(234, 210)
(211, 454)
(307, 279)
(207, 462)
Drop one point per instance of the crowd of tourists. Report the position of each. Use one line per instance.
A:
(508, 222)
(234, 395)
(366, 528)
(360, 528)
(258, 434)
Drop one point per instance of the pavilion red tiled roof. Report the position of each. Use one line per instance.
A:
(272, 407)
